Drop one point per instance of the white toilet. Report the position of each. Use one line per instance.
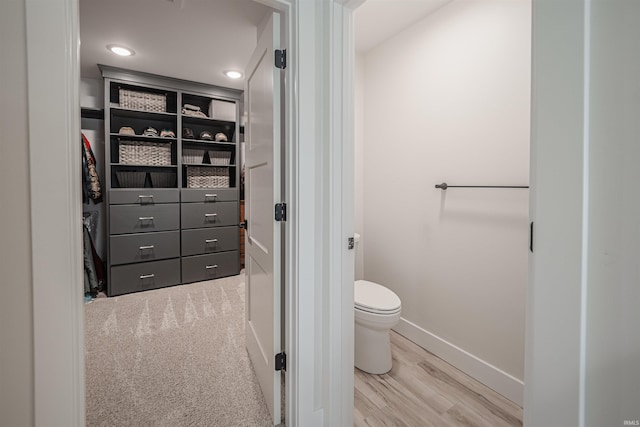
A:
(377, 310)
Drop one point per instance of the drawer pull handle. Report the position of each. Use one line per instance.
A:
(213, 196)
(145, 196)
(142, 248)
(146, 218)
(211, 241)
(147, 276)
(211, 215)
(209, 267)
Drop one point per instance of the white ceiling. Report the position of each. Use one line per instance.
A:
(379, 20)
(189, 39)
(198, 39)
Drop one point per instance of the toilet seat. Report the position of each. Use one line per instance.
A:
(378, 312)
(373, 298)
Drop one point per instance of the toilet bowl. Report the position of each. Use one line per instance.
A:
(377, 310)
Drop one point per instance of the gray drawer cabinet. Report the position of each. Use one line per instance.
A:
(143, 218)
(144, 276)
(144, 245)
(208, 267)
(198, 215)
(140, 247)
(208, 240)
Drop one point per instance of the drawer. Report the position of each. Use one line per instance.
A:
(207, 267)
(130, 248)
(143, 218)
(198, 215)
(125, 279)
(144, 196)
(211, 195)
(206, 240)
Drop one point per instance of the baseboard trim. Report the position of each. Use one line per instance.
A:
(498, 380)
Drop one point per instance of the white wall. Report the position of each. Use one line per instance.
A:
(16, 305)
(448, 100)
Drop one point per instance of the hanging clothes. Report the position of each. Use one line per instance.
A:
(94, 269)
(90, 179)
(90, 278)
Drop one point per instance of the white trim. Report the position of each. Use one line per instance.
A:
(54, 145)
(500, 381)
(342, 202)
(342, 213)
(554, 294)
(302, 189)
(340, 224)
(334, 209)
(586, 136)
(348, 216)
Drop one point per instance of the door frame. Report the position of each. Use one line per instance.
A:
(319, 369)
(555, 351)
(52, 33)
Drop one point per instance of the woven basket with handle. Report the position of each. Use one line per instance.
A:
(143, 101)
(144, 153)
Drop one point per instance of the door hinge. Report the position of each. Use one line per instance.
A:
(281, 59)
(281, 211)
(281, 362)
(244, 224)
(351, 243)
(531, 237)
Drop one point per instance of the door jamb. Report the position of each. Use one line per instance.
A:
(52, 33)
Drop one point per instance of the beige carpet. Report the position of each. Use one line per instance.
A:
(171, 357)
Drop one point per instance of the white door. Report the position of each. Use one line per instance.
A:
(263, 234)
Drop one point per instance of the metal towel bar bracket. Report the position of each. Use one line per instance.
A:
(444, 186)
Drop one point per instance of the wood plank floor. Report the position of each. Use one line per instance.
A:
(423, 390)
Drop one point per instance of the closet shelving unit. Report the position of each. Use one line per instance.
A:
(172, 215)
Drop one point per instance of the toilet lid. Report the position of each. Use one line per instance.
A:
(374, 297)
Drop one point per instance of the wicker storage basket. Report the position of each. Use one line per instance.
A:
(192, 156)
(131, 179)
(144, 153)
(163, 179)
(143, 101)
(220, 158)
(207, 177)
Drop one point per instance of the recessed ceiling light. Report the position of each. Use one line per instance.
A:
(120, 50)
(233, 74)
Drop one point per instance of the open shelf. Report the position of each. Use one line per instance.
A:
(173, 193)
(142, 138)
(204, 141)
(215, 122)
(207, 165)
(139, 114)
(92, 113)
